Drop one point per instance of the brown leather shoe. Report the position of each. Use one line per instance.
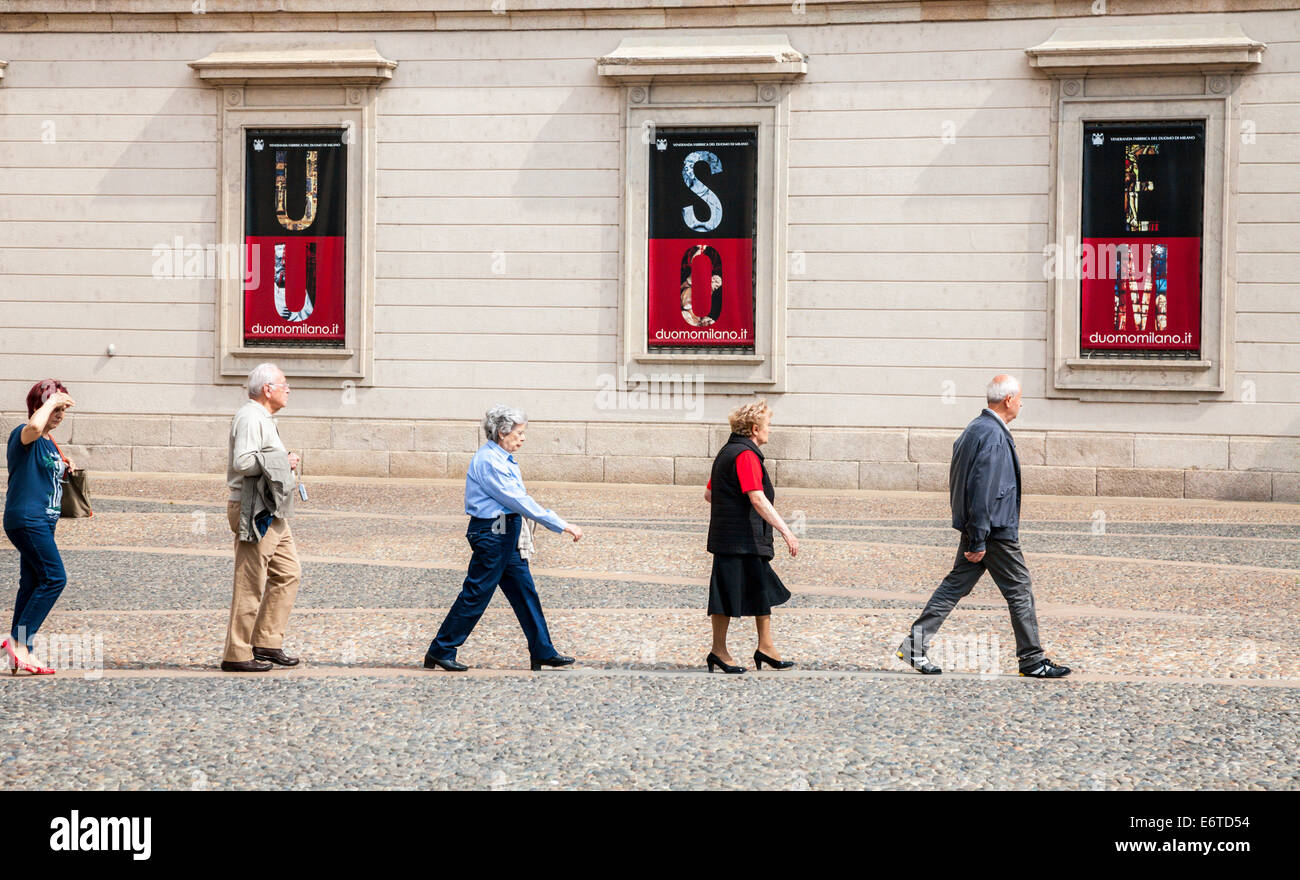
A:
(244, 666)
(274, 655)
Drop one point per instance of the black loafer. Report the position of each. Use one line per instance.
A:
(244, 666)
(274, 655)
(449, 665)
(557, 660)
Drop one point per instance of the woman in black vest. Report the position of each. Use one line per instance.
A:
(741, 520)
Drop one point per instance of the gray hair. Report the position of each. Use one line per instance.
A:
(997, 391)
(262, 375)
(502, 419)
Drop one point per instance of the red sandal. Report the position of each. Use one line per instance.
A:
(29, 668)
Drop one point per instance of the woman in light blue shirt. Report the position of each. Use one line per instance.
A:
(497, 502)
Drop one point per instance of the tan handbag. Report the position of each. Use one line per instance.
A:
(76, 495)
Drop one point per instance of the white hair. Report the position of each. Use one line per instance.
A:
(502, 419)
(998, 391)
(262, 375)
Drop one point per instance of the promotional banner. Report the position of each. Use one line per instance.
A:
(295, 222)
(703, 209)
(1143, 187)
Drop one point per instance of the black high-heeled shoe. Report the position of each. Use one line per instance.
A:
(760, 658)
(715, 660)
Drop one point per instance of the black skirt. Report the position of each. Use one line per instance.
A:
(744, 586)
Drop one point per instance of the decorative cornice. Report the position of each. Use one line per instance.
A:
(352, 16)
(703, 57)
(354, 63)
(1203, 47)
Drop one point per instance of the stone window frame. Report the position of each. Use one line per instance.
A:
(316, 86)
(706, 81)
(1148, 73)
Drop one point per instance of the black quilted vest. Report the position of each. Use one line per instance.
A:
(734, 524)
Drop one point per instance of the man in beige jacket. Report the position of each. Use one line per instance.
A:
(267, 572)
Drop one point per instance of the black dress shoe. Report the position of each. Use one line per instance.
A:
(760, 658)
(449, 665)
(557, 660)
(274, 655)
(244, 666)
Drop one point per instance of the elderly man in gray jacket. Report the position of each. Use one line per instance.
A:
(984, 487)
(261, 473)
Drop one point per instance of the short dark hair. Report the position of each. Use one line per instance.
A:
(41, 392)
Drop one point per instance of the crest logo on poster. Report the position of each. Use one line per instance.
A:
(1098, 138)
(662, 144)
(258, 144)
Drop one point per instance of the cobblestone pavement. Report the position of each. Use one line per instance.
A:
(1179, 617)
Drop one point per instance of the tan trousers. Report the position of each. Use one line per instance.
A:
(267, 575)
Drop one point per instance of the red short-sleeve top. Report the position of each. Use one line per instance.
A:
(749, 470)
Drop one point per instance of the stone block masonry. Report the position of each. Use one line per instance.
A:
(885, 459)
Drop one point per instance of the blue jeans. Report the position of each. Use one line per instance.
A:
(496, 561)
(41, 578)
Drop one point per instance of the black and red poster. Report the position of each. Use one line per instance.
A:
(295, 222)
(703, 212)
(1143, 187)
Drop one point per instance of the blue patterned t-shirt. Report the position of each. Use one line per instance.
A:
(35, 493)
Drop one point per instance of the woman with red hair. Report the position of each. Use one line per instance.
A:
(32, 504)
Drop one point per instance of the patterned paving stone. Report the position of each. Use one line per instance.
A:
(1179, 617)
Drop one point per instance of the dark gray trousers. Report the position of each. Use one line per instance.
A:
(1004, 561)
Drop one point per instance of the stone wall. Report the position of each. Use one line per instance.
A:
(919, 206)
(1054, 462)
